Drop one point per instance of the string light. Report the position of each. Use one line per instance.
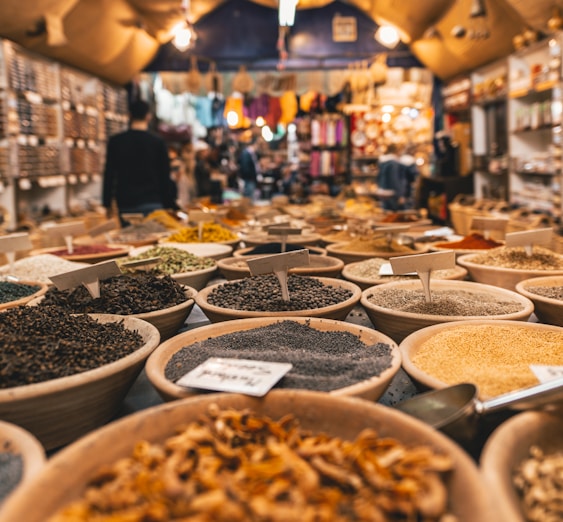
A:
(183, 33)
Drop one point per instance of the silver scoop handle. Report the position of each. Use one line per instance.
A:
(528, 398)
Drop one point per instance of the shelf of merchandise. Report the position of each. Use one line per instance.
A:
(54, 123)
(534, 126)
(489, 138)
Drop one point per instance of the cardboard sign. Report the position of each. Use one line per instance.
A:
(487, 224)
(199, 216)
(246, 376)
(13, 243)
(423, 264)
(141, 263)
(67, 231)
(529, 238)
(89, 276)
(283, 232)
(392, 229)
(279, 264)
(102, 228)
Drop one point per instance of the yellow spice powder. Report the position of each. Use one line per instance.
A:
(495, 358)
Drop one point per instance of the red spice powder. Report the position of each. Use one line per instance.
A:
(471, 242)
(80, 250)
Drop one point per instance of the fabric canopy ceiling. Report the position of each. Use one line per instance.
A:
(115, 39)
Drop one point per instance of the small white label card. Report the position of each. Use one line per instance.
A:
(67, 231)
(200, 217)
(283, 232)
(423, 264)
(529, 238)
(89, 276)
(439, 232)
(246, 376)
(488, 224)
(547, 373)
(13, 243)
(279, 264)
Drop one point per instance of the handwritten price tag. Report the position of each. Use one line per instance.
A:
(67, 231)
(487, 224)
(13, 243)
(246, 376)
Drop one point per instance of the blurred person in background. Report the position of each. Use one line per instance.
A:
(137, 174)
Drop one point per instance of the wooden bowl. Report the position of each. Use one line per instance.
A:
(433, 247)
(66, 475)
(499, 276)
(243, 252)
(340, 251)
(338, 311)
(117, 250)
(398, 324)
(20, 442)
(370, 389)
(197, 279)
(508, 446)
(169, 320)
(511, 375)
(457, 273)
(547, 309)
(322, 266)
(212, 250)
(24, 300)
(61, 410)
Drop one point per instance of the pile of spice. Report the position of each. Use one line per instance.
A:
(139, 232)
(211, 233)
(40, 267)
(496, 358)
(322, 360)
(40, 343)
(376, 244)
(11, 470)
(262, 293)
(551, 292)
(444, 302)
(400, 217)
(473, 241)
(537, 480)
(369, 269)
(172, 260)
(239, 466)
(123, 294)
(13, 291)
(83, 250)
(517, 258)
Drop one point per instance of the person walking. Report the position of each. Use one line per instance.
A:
(391, 180)
(249, 169)
(137, 173)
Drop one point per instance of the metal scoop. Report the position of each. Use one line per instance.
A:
(456, 409)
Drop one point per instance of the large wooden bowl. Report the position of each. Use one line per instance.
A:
(489, 365)
(370, 389)
(322, 266)
(340, 251)
(508, 446)
(457, 273)
(66, 475)
(61, 410)
(499, 276)
(398, 324)
(20, 442)
(338, 311)
(547, 309)
(24, 300)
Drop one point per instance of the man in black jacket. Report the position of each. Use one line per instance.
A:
(137, 169)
